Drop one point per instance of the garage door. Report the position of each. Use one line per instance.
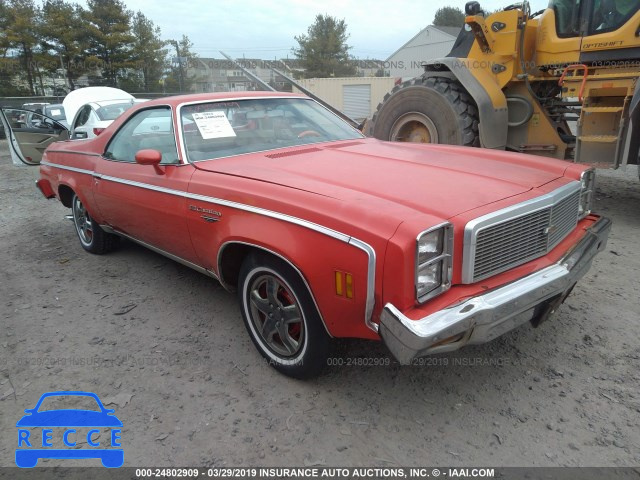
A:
(357, 101)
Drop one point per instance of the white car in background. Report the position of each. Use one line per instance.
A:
(94, 117)
(90, 110)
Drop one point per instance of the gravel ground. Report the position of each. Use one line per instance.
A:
(166, 347)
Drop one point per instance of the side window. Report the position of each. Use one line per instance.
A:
(151, 128)
(83, 116)
(567, 14)
(609, 15)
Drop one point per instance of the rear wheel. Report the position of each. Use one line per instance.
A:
(281, 317)
(428, 110)
(92, 238)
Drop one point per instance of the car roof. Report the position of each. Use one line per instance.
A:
(106, 103)
(219, 96)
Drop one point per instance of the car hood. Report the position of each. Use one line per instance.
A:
(441, 180)
(63, 418)
(77, 98)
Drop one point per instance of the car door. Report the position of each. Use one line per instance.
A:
(79, 126)
(146, 202)
(29, 134)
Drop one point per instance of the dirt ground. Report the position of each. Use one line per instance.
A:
(166, 348)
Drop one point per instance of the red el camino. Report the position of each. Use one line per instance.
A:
(325, 233)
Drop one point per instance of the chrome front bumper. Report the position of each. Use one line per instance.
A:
(485, 317)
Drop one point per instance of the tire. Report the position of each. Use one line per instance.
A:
(92, 238)
(428, 110)
(269, 291)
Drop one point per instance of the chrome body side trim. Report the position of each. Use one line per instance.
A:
(371, 281)
(71, 152)
(368, 249)
(487, 316)
(473, 227)
(232, 288)
(171, 256)
(64, 167)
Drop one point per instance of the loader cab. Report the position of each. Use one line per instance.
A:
(576, 18)
(585, 31)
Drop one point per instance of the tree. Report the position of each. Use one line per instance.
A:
(7, 65)
(177, 80)
(110, 38)
(324, 52)
(148, 53)
(22, 34)
(449, 17)
(64, 33)
(4, 25)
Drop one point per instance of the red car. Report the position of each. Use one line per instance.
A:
(325, 233)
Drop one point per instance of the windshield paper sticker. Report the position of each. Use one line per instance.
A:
(213, 125)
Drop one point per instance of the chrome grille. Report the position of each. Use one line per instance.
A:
(564, 218)
(508, 238)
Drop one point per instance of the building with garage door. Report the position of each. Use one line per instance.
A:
(431, 42)
(357, 97)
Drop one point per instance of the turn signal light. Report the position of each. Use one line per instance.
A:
(344, 284)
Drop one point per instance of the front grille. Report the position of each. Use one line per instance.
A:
(513, 241)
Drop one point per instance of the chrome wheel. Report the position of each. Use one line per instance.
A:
(82, 221)
(414, 127)
(92, 238)
(281, 316)
(276, 315)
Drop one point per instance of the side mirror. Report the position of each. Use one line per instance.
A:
(472, 8)
(150, 157)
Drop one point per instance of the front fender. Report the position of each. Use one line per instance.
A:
(317, 256)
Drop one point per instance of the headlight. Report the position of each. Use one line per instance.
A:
(588, 180)
(434, 248)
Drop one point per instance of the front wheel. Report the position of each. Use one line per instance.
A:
(281, 317)
(92, 238)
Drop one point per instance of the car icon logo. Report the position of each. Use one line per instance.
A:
(61, 433)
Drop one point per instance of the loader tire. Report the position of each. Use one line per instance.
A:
(427, 110)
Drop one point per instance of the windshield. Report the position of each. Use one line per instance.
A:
(222, 129)
(113, 111)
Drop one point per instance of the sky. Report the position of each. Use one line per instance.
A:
(266, 28)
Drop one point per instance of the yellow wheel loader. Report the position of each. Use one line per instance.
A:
(561, 82)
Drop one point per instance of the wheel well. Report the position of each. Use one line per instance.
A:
(230, 261)
(233, 254)
(66, 195)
